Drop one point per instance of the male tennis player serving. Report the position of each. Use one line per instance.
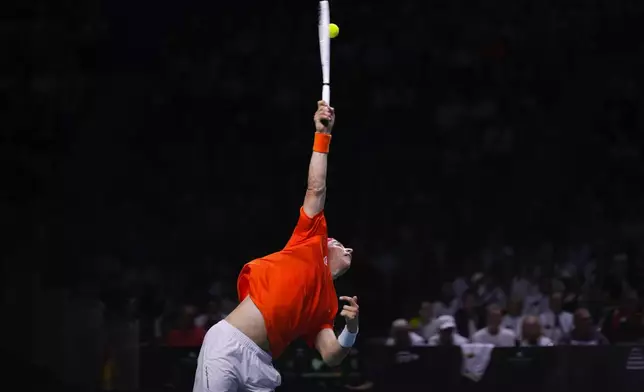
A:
(285, 295)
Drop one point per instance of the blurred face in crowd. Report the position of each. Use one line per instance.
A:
(556, 302)
(425, 312)
(494, 317)
(531, 329)
(339, 258)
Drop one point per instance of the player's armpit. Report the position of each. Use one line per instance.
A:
(327, 345)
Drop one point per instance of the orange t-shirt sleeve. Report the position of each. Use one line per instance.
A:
(310, 337)
(308, 227)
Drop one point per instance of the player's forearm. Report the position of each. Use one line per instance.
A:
(316, 185)
(336, 355)
(333, 350)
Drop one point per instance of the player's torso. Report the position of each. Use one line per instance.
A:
(293, 289)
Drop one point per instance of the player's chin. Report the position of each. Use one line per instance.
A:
(346, 263)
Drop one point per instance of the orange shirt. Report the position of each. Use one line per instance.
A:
(293, 288)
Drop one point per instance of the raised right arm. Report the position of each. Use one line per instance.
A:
(316, 185)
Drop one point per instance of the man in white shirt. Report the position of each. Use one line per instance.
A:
(555, 322)
(447, 335)
(494, 333)
(532, 336)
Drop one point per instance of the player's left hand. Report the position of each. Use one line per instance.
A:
(350, 313)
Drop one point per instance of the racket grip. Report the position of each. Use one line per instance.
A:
(326, 97)
(326, 94)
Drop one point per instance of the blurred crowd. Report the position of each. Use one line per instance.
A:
(536, 312)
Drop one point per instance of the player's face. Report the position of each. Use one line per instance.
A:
(339, 258)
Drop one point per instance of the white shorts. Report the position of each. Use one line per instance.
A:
(229, 362)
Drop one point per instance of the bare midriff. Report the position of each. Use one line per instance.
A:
(249, 320)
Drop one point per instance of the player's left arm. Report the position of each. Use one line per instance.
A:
(333, 350)
(315, 197)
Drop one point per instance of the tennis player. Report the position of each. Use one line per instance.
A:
(284, 296)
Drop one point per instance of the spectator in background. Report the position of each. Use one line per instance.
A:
(494, 333)
(469, 318)
(512, 319)
(537, 301)
(186, 333)
(164, 322)
(531, 333)
(402, 337)
(616, 282)
(425, 324)
(584, 333)
(521, 285)
(626, 323)
(448, 303)
(478, 286)
(212, 316)
(460, 285)
(491, 292)
(446, 335)
(572, 296)
(555, 321)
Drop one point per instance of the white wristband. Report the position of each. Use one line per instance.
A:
(346, 338)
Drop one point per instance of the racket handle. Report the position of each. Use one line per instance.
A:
(326, 97)
(326, 93)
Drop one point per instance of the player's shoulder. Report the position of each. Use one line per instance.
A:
(314, 223)
(313, 241)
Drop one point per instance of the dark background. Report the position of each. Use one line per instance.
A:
(169, 141)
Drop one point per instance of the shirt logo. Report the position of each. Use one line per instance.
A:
(326, 260)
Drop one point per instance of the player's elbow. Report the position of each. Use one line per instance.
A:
(316, 190)
(330, 350)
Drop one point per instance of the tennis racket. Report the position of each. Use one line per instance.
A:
(324, 19)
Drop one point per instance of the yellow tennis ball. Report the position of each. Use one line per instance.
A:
(334, 30)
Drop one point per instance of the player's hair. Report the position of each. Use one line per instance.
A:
(333, 241)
